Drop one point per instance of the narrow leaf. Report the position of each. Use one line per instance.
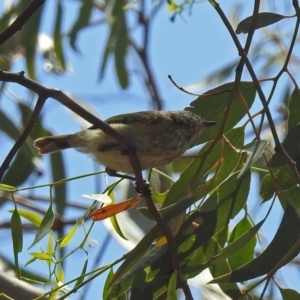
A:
(69, 236)
(45, 226)
(172, 286)
(283, 248)
(32, 217)
(263, 19)
(17, 238)
(254, 151)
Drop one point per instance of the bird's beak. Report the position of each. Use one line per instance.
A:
(209, 123)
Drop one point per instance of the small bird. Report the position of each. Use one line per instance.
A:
(160, 137)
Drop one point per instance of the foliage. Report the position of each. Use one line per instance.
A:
(203, 221)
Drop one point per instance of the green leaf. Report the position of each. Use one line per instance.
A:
(291, 145)
(50, 248)
(17, 238)
(292, 197)
(172, 286)
(232, 289)
(45, 226)
(212, 104)
(69, 236)
(283, 248)
(118, 290)
(60, 190)
(241, 241)
(107, 287)
(151, 256)
(294, 108)
(7, 188)
(81, 22)
(140, 288)
(267, 189)
(263, 19)
(17, 175)
(83, 272)
(254, 151)
(29, 38)
(32, 217)
(41, 255)
(133, 258)
(245, 252)
(57, 38)
(117, 42)
(289, 294)
(194, 174)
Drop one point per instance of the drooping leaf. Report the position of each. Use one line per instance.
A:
(57, 37)
(58, 172)
(263, 19)
(29, 38)
(83, 272)
(117, 42)
(172, 287)
(45, 226)
(69, 236)
(81, 22)
(17, 238)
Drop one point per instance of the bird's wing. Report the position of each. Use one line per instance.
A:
(137, 117)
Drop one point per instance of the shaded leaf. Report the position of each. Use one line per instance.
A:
(45, 226)
(283, 248)
(58, 172)
(294, 108)
(117, 41)
(239, 243)
(29, 38)
(57, 38)
(172, 286)
(267, 188)
(245, 252)
(82, 275)
(133, 257)
(254, 151)
(291, 145)
(106, 287)
(81, 22)
(212, 104)
(289, 294)
(263, 19)
(222, 157)
(17, 238)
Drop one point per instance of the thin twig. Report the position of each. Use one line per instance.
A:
(19, 22)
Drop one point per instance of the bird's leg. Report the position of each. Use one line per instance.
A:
(113, 173)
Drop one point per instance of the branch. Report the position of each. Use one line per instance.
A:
(21, 20)
(17, 289)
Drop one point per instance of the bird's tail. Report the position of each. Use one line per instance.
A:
(49, 144)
